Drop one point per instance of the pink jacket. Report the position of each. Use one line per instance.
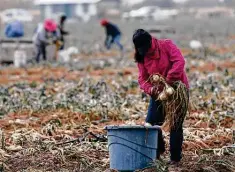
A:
(166, 60)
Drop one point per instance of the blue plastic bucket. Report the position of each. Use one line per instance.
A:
(132, 147)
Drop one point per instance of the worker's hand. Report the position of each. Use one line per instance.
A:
(169, 81)
(155, 91)
(57, 42)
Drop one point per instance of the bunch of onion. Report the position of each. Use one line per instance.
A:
(174, 99)
(167, 92)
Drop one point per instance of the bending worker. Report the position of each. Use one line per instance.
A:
(113, 34)
(46, 34)
(154, 56)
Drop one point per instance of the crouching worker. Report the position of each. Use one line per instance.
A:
(46, 34)
(160, 61)
(113, 34)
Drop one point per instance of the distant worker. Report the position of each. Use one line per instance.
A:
(63, 32)
(46, 34)
(14, 29)
(113, 34)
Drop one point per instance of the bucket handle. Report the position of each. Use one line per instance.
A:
(132, 142)
(146, 156)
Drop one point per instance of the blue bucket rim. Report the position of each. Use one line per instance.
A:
(115, 127)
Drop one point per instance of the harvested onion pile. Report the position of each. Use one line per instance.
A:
(174, 98)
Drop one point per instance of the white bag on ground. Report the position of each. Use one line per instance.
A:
(195, 44)
(20, 58)
(65, 55)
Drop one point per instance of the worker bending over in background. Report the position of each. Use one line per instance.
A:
(113, 34)
(46, 34)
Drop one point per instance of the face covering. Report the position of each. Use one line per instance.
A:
(143, 50)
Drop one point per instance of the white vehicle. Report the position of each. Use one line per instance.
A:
(161, 14)
(16, 14)
(161, 31)
(141, 13)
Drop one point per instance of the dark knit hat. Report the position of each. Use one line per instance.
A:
(142, 38)
(142, 41)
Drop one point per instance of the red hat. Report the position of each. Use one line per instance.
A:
(50, 25)
(104, 22)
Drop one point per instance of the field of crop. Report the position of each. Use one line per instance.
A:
(53, 116)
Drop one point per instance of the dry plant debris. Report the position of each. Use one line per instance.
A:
(52, 117)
